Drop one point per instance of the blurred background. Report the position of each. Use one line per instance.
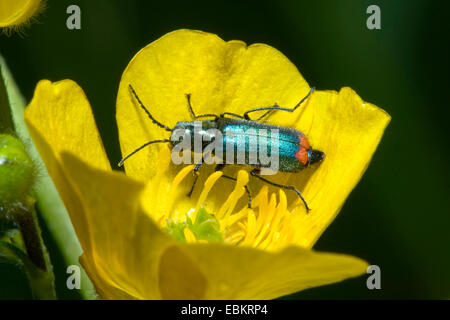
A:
(398, 217)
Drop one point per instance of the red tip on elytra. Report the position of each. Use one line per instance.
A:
(302, 153)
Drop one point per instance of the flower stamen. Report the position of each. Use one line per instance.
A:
(209, 183)
(178, 178)
(268, 225)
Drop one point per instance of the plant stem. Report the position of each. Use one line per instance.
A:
(31, 236)
(42, 279)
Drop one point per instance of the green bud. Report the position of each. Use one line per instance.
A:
(17, 172)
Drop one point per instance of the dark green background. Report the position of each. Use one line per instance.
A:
(398, 216)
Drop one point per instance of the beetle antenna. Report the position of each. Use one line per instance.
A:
(140, 148)
(147, 112)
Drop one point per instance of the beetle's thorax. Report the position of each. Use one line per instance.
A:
(204, 131)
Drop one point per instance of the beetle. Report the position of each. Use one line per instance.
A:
(294, 150)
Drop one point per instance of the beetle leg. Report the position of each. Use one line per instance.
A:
(277, 107)
(195, 171)
(255, 173)
(264, 115)
(188, 97)
(222, 115)
(219, 167)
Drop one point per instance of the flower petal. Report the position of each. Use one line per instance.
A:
(247, 273)
(130, 256)
(348, 130)
(16, 12)
(62, 115)
(60, 119)
(228, 76)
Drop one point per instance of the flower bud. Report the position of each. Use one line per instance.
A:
(14, 14)
(17, 172)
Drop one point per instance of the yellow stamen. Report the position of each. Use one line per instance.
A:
(236, 238)
(156, 188)
(267, 219)
(189, 235)
(230, 203)
(242, 226)
(178, 178)
(261, 199)
(209, 183)
(234, 218)
(268, 225)
(251, 230)
(279, 214)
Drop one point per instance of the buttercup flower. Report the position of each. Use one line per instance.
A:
(142, 236)
(14, 14)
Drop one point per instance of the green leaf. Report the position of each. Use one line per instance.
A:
(51, 208)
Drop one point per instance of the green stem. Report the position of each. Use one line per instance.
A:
(37, 265)
(31, 236)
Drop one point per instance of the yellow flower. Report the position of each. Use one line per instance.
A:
(120, 219)
(14, 14)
